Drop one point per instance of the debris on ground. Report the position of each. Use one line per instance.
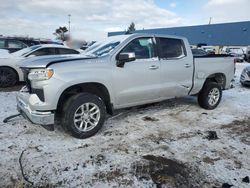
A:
(245, 179)
(226, 185)
(148, 118)
(211, 135)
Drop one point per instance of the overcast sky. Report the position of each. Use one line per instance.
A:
(92, 19)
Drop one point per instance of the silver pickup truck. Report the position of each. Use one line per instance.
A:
(123, 71)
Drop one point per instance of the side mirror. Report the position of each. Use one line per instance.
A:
(122, 58)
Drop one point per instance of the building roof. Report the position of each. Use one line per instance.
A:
(225, 34)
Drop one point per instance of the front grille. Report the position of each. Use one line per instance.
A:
(28, 84)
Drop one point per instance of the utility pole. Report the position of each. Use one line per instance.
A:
(210, 20)
(69, 23)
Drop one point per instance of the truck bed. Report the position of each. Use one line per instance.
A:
(206, 66)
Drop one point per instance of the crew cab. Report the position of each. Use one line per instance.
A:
(123, 71)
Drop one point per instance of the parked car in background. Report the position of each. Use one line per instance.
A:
(84, 47)
(13, 44)
(198, 52)
(10, 73)
(209, 49)
(123, 71)
(247, 54)
(238, 53)
(47, 41)
(4, 53)
(245, 76)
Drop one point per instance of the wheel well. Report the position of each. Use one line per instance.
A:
(13, 70)
(219, 78)
(94, 88)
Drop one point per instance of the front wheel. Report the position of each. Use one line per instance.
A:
(210, 96)
(83, 115)
(8, 77)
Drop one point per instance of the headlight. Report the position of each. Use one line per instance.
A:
(40, 74)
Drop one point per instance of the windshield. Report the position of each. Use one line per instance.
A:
(25, 50)
(105, 47)
(93, 47)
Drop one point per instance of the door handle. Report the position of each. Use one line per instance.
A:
(187, 65)
(153, 67)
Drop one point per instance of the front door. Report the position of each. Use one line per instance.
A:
(139, 81)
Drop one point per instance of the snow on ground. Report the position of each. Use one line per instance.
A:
(161, 144)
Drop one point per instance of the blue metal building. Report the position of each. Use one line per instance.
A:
(225, 34)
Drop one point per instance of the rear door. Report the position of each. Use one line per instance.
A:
(176, 67)
(138, 81)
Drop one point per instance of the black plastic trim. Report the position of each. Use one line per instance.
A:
(39, 93)
(213, 55)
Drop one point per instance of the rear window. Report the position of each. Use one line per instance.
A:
(171, 48)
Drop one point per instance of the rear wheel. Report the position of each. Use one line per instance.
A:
(210, 95)
(83, 115)
(8, 77)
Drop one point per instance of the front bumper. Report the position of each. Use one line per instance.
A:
(37, 117)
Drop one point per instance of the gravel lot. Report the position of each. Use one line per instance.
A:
(169, 144)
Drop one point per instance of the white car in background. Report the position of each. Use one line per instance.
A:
(209, 49)
(248, 54)
(236, 52)
(10, 73)
(4, 52)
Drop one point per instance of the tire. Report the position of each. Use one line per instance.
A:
(8, 77)
(87, 124)
(210, 95)
(242, 84)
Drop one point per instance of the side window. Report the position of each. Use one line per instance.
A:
(44, 51)
(171, 48)
(15, 44)
(142, 47)
(2, 43)
(67, 51)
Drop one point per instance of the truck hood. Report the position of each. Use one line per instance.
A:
(45, 61)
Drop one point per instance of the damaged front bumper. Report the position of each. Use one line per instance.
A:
(26, 104)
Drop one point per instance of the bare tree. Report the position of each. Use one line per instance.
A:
(61, 33)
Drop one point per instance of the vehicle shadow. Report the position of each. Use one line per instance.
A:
(154, 107)
(13, 88)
